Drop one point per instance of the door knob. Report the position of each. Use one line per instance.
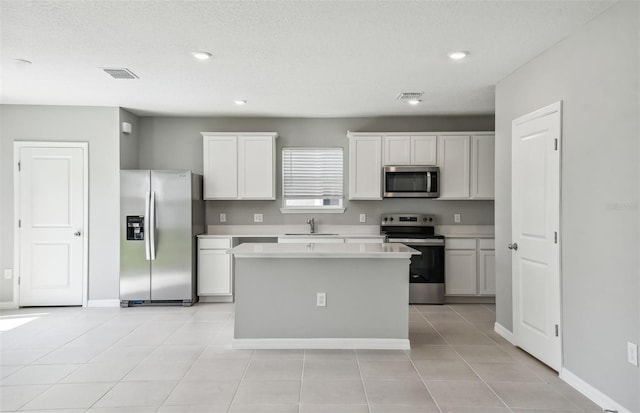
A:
(77, 233)
(513, 246)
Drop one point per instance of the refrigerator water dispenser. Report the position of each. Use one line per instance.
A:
(135, 228)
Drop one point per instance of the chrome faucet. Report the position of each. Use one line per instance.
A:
(312, 225)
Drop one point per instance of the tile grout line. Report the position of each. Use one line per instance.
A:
(244, 373)
(465, 361)
(304, 357)
(424, 382)
(364, 387)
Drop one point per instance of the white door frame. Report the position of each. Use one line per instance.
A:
(544, 111)
(17, 145)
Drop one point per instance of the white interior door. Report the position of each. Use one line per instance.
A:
(51, 209)
(535, 189)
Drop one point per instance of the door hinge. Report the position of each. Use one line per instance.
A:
(556, 330)
(19, 223)
(18, 280)
(555, 144)
(555, 237)
(19, 166)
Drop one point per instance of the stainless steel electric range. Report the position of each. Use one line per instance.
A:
(426, 272)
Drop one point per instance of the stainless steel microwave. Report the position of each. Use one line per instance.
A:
(411, 182)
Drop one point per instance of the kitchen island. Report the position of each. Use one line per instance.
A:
(281, 288)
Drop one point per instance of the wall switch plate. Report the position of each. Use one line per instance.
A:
(8, 274)
(321, 300)
(363, 217)
(223, 217)
(456, 218)
(632, 353)
(257, 217)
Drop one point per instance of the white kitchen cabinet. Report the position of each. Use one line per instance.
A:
(410, 149)
(482, 167)
(220, 167)
(397, 150)
(460, 272)
(453, 161)
(215, 270)
(487, 272)
(239, 165)
(469, 266)
(365, 167)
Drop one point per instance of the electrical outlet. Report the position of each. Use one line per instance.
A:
(223, 217)
(456, 218)
(8, 274)
(321, 300)
(257, 217)
(632, 353)
(363, 217)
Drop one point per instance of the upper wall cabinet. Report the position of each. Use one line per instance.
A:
(466, 166)
(409, 149)
(365, 166)
(239, 165)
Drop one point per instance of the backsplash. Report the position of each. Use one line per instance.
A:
(241, 212)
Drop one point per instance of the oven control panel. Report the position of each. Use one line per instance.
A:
(418, 220)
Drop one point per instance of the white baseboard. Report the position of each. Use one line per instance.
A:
(321, 343)
(504, 333)
(593, 394)
(103, 303)
(8, 305)
(215, 298)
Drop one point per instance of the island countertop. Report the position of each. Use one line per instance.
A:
(312, 250)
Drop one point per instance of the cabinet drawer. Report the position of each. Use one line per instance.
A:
(460, 243)
(211, 243)
(487, 244)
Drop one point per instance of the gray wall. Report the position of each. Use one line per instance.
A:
(129, 143)
(176, 143)
(595, 73)
(99, 127)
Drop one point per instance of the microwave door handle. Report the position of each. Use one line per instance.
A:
(428, 181)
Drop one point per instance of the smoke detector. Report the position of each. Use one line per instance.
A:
(120, 73)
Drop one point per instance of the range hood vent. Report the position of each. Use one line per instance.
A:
(410, 95)
(120, 73)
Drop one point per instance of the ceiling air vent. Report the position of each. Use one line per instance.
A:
(410, 95)
(120, 73)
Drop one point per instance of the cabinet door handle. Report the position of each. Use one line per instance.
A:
(513, 246)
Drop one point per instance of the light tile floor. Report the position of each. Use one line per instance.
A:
(175, 359)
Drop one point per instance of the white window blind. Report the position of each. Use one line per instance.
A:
(313, 174)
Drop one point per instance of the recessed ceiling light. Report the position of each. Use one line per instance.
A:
(201, 55)
(240, 102)
(458, 55)
(414, 101)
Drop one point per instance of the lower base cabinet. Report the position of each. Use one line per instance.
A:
(469, 266)
(215, 270)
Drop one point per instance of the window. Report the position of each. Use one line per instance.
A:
(312, 179)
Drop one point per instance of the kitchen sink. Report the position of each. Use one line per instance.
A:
(314, 234)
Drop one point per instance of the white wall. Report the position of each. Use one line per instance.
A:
(129, 143)
(595, 72)
(99, 127)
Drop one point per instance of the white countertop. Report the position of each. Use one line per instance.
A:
(273, 250)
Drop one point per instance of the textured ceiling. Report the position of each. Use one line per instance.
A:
(286, 58)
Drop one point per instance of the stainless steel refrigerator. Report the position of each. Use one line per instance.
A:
(161, 212)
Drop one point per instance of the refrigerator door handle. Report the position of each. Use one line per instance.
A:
(152, 226)
(147, 249)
